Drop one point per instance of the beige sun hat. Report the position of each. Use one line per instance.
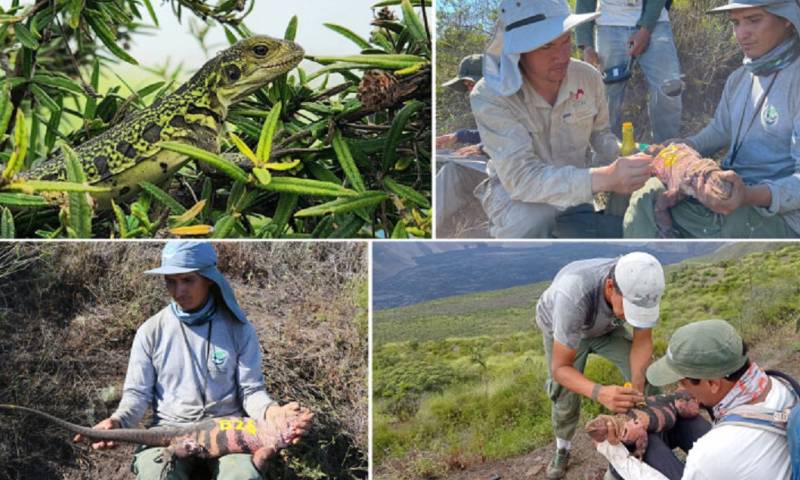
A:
(524, 26)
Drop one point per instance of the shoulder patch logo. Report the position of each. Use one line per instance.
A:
(770, 114)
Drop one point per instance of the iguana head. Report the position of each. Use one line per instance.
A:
(248, 65)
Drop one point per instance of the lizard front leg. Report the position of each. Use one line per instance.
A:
(641, 446)
(634, 433)
(262, 456)
(665, 201)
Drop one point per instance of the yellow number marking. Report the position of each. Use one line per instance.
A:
(251, 427)
(225, 425)
(236, 424)
(670, 155)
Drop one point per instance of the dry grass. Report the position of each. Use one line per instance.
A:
(69, 312)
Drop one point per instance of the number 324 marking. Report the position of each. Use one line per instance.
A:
(249, 427)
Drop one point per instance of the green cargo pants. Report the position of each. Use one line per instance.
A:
(693, 220)
(237, 466)
(614, 346)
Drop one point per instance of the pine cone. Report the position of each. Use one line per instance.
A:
(378, 89)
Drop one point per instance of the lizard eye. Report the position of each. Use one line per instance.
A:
(232, 72)
(260, 50)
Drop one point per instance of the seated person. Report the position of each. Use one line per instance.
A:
(758, 120)
(543, 120)
(709, 360)
(470, 70)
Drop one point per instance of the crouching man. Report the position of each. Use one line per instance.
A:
(543, 120)
(709, 360)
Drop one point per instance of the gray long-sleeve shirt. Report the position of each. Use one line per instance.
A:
(770, 153)
(164, 373)
(573, 307)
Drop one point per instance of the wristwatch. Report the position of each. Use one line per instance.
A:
(596, 391)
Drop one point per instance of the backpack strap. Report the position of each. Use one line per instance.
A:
(793, 384)
(757, 417)
(760, 417)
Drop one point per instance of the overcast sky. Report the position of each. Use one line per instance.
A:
(269, 17)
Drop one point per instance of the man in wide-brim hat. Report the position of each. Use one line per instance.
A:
(543, 120)
(758, 121)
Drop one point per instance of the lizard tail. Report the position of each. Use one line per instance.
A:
(146, 437)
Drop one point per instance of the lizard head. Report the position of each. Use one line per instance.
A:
(598, 428)
(250, 64)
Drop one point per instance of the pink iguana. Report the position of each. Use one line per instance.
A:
(681, 169)
(660, 414)
(208, 439)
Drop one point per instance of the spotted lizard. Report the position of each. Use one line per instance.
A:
(659, 414)
(194, 114)
(206, 439)
(681, 169)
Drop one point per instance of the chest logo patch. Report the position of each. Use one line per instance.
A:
(770, 115)
(578, 107)
(219, 357)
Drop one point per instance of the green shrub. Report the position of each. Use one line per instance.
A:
(367, 140)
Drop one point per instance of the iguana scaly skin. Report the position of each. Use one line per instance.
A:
(194, 114)
(681, 169)
(660, 414)
(207, 439)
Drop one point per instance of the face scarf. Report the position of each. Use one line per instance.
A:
(776, 59)
(198, 317)
(751, 386)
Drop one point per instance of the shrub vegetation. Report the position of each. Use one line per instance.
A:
(69, 312)
(350, 159)
(446, 398)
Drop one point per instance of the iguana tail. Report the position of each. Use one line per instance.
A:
(153, 437)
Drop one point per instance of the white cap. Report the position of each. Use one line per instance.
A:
(640, 279)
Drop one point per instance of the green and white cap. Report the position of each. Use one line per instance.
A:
(640, 279)
(470, 68)
(705, 350)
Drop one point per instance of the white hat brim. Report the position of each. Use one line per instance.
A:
(739, 6)
(532, 36)
(640, 317)
(170, 270)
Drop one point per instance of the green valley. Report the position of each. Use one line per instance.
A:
(459, 380)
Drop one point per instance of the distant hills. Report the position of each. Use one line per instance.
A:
(413, 272)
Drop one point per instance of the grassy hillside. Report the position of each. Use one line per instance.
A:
(495, 312)
(69, 312)
(505, 311)
(454, 386)
(734, 250)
